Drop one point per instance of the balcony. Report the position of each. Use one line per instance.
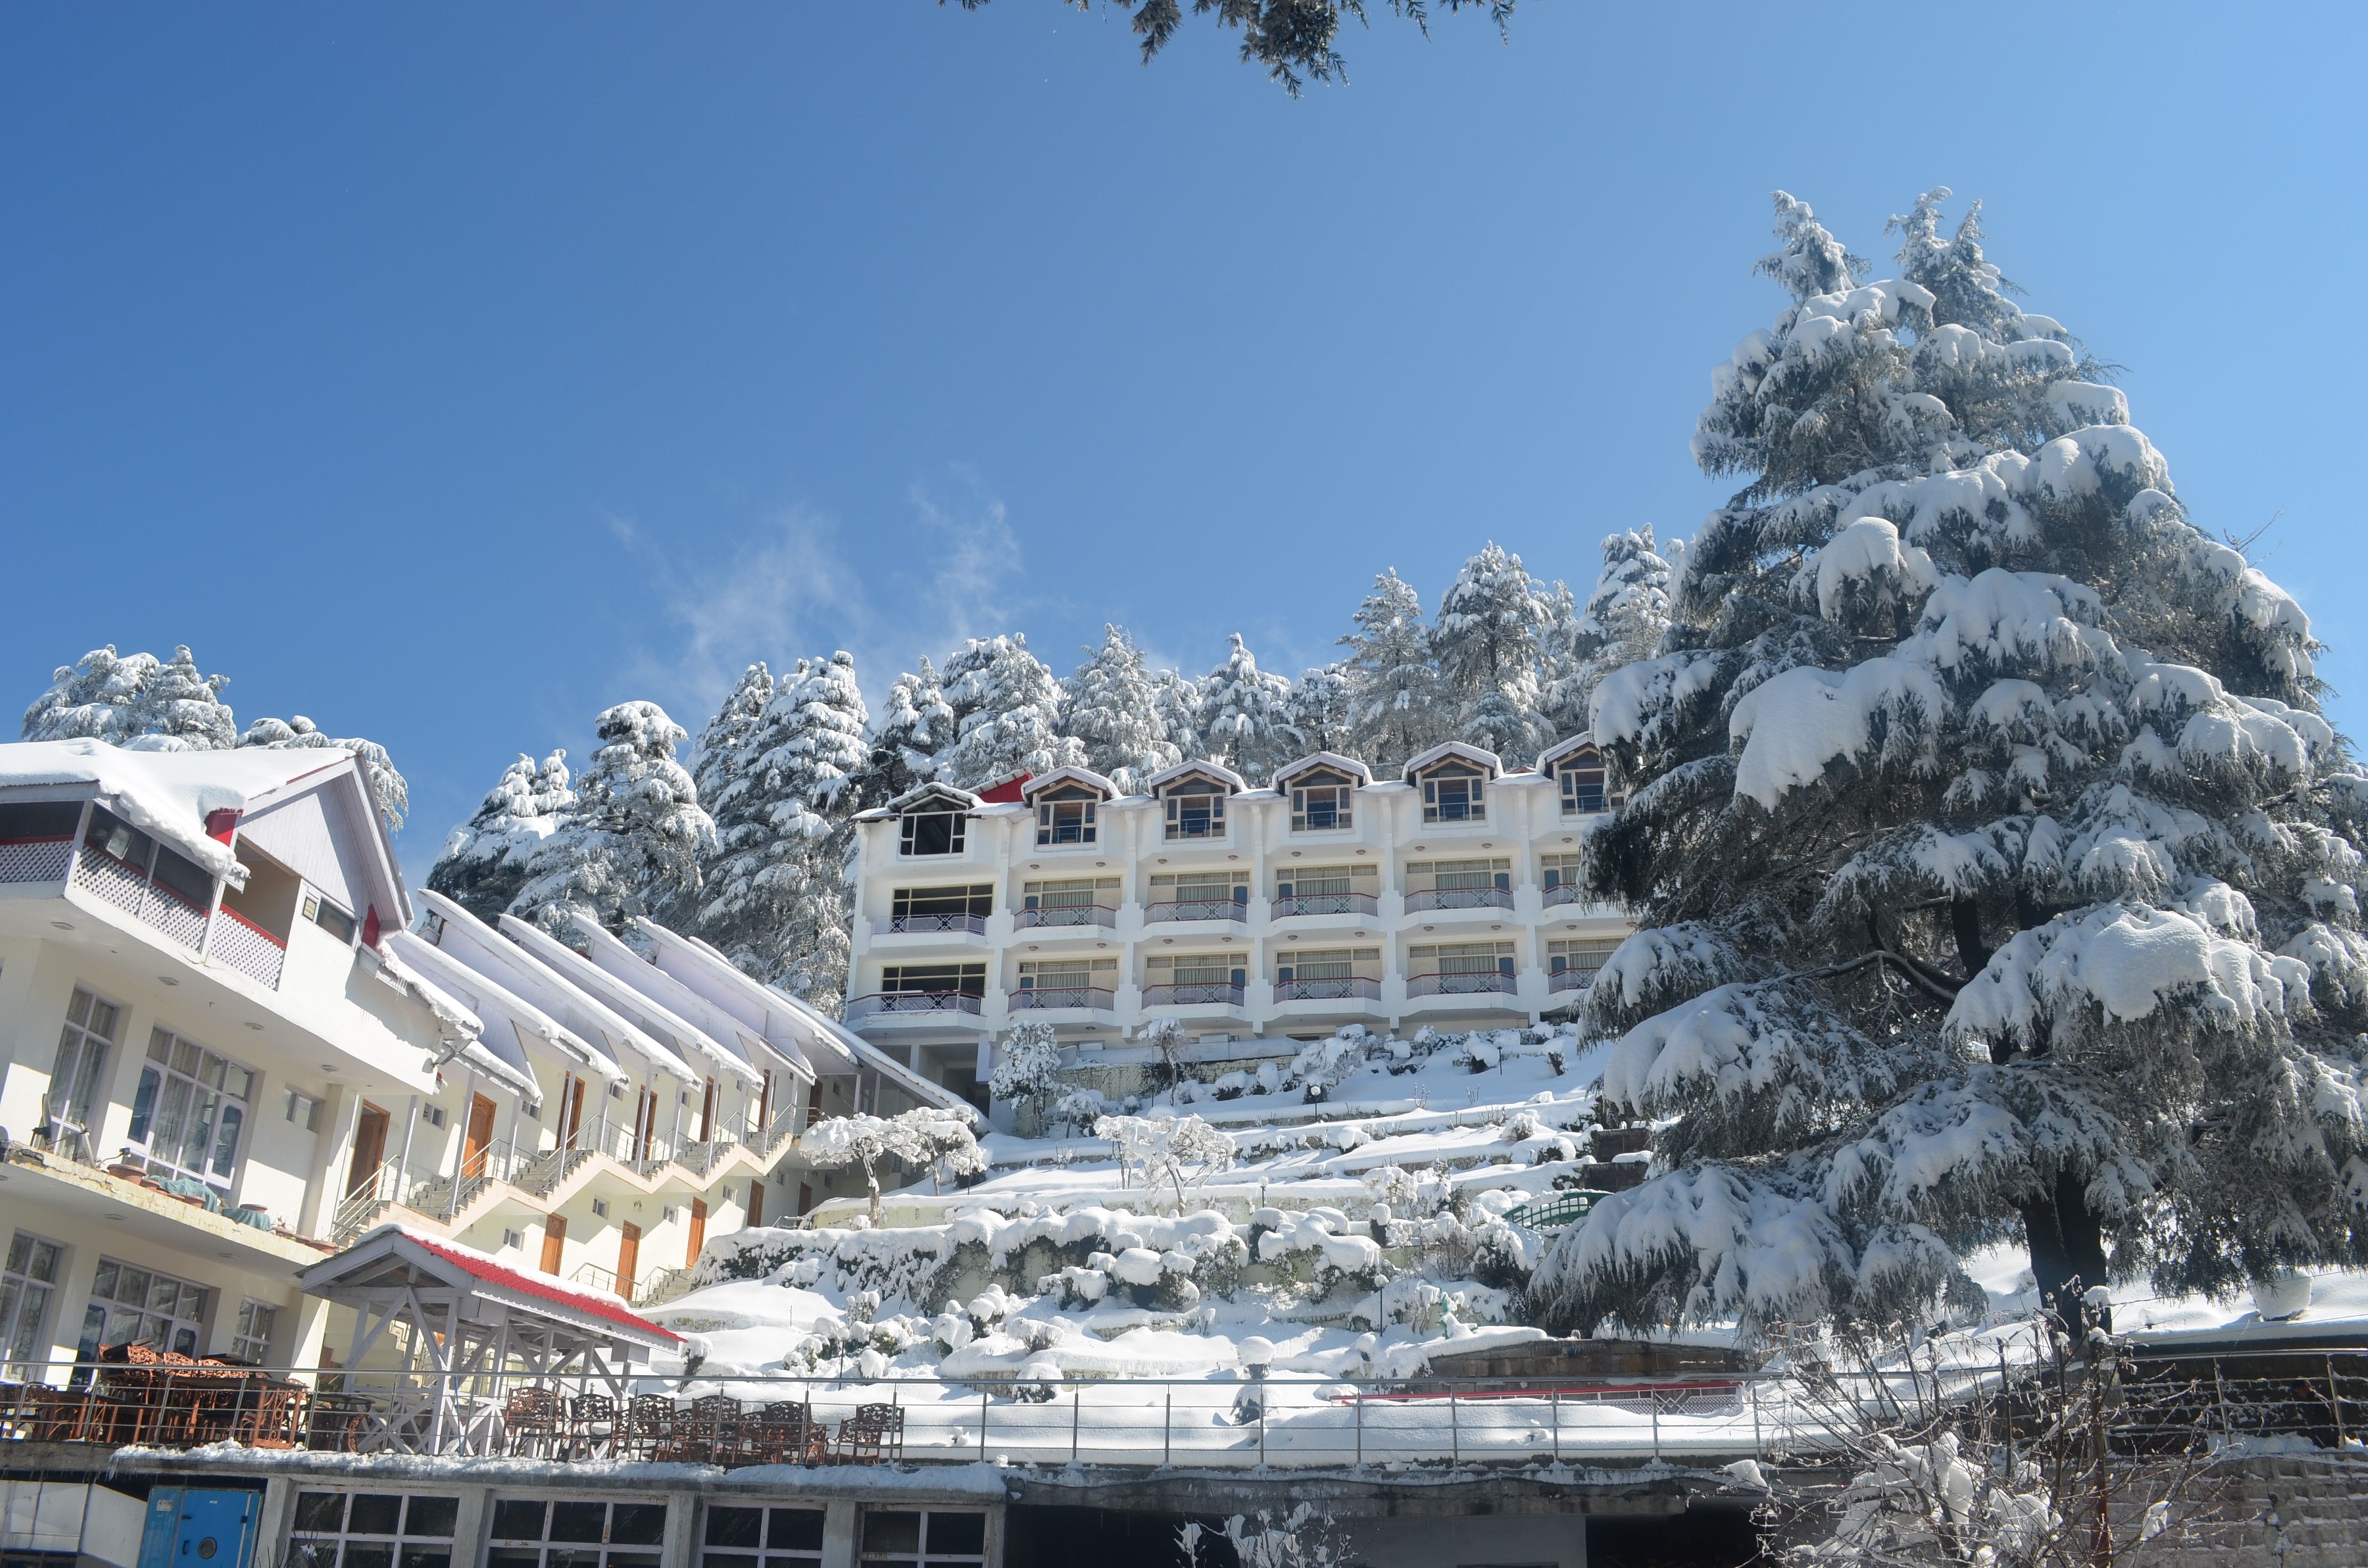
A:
(1564, 892)
(1197, 909)
(1045, 998)
(930, 925)
(883, 1003)
(1057, 917)
(1193, 994)
(1459, 898)
(1343, 988)
(131, 890)
(249, 949)
(1478, 984)
(1571, 979)
(35, 859)
(221, 933)
(1325, 903)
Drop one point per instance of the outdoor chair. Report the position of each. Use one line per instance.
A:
(649, 1428)
(782, 1433)
(873, 1433)
(530, 1417)
(710, 1432)
(591, 1424)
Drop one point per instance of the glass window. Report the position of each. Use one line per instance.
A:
(762, 1538)
(1582, 958)
(79, 1078)
(1582, 780)
(1064, 822)
(976, 898)
(190, 1114)
(1196, 812)
(573, 1533)
(1557, 872)
(27, 1284)
(110, 835)
(933, 832)
(1452, 795)
(130, 1305)
(909, 1538)
(1320, 802)
(960, 979)
(329, 917)
(252, 1342)
(372, 1529)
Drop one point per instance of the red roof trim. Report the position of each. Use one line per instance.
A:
(585, 1301)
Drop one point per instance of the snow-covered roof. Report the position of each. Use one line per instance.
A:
(672, 1042)
(961, 799)
(597, 1024)
(1581, 741)
(480, 1275)
(166, 794)
(631, 980)
(1456, 751)
(699, 966)
(1060, 776)
(487, 994)
(1331, 759)
(644, 973)
(1183, 771)
(868, 1056)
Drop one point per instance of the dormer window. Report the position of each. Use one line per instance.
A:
(1320, 803)
(1453, 793)
(1066, 822)
(933, 832)
(1195, 809)
(1582, 780)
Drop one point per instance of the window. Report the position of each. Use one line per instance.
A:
(1049, 900)
(1325, 890)
(40, 822)
(599, 1208)
(372, 1529)
(1326, 973)
(567, 1533)
(329, 917)
(1576, 963)
(762, 1538)
(139, 1306)
(1461, 876)
(1463, 957)
(513, 1241)
(1557, 872)
(943, 908)
(1196, 811)
(431, 926)
(1199, 895)
(962, 979)
(1182, 979)
(27, 1284)
(77, 1080)
(252, 1340)
(1065, 821)
(190, 1110)
(1582, 780)
(1452, 794)
(302, 1109)
(933, 832)
(432, 1114)
(911, 1539)
(1057, 983)
(1319, 802)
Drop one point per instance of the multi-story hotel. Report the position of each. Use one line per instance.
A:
(1449, 897)
(221, 1057)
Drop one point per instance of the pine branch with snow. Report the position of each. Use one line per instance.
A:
(1245, 715)
(633, 843)
(1395, 692)
(1006, 709)
(1113, 708)
(1488, 644)
(484, 864)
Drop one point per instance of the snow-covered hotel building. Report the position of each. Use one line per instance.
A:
(1449, 896)
(222, 1056)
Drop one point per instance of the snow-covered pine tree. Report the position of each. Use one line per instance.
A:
(1006, 707)
(135, 701)
(484, 864)
(1244, 716)
(914, 724)
(1394, 686)
(1487, 642)
(814, 768)
(1320, 710)
(1623, 622)
(1179, 710)
(1113, 708)
(719, 762)
(388, 789)
(2001, 882)
(635, 842)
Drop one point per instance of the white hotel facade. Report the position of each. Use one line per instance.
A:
(1450, 897)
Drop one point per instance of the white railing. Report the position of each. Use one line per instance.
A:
(35, 859)
(249, 949)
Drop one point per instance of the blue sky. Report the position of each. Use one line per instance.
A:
(447, 373)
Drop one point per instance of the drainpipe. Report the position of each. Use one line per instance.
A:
(410, 1124)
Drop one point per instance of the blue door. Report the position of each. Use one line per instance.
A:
(199, 1528)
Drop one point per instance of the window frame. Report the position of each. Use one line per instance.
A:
(1471, 783)
(764, 1552)
(1073, 821)
(89, 1066)
(1176, 827)
(504, 1551)
(166, 1071)
(1341, 792)
(921, 1554)
(113, 1309)
(957, 833)
(401, 1548)
(26, 1298)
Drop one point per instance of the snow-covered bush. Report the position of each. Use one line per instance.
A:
(929, 1138)
(1028, 1066)
(1168, 1147)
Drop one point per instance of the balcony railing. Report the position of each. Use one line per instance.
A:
(930, 925)
(1564, 893)
(883, 1002)
(1473, 984)
(1459, 898)
(1042, 998)
(1190, 993)
(1197, 909)
(1340, 989)
(129, 889)
(1056, 916)
(1325, 903)
(35, 859)
(1571, 979)
(249, 949)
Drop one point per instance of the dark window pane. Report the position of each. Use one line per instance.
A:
(514, 1557)
(572, 1557)
(577, 1521)
(726, 1559)
(518, 1520)
(312, 1554)
(796, 1529)
(322, 1511)
(957, 1533)
(374, 1513)
(431, 1515)
(636, 1524)
(796, 1560)
(425, 1557)
(369, 1554)
(890, 1530)
(735, 1527)
(633, 1559)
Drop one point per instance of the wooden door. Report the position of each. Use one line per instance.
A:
(629, 1259)
(806, 1197)
(765, 1106)
(369, 1149)
(756, 1203)
(707, 1114)
(478, 1138)
(645, 1123)
(571, 1110)
(698, 1230)
(554, 1241)
(814, 1102)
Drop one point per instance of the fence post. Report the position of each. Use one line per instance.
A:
(1168, 1426)
(1359, 1397)
(1554, 1404)
(1760, 1444)
(983, 1397)
(1077, 1414)
(2335, 1399)
(1655, 1402)
(1454, 1430)
(2220, 1393)
(1262, 1405)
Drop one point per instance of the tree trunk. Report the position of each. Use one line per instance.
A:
(2068, 1254)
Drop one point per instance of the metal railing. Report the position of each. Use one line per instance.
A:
(1326, 903)
(913, 1002)
(1571, 979)
(925, 924)
(1039, 998)
(2223, 1403)
(1459, 898)
(1060, 915)
(1479, 982)
(1340, 989)
(1192, 993)
(1563, 892)
(1226, 908)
